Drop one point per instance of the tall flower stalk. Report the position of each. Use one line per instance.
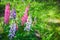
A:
(25, 16)
(28, 24)
(7, 13)
(12, 31)
(13, 13)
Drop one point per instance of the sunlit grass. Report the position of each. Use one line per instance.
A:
(43, 12)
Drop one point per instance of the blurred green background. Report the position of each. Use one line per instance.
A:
(47, 25)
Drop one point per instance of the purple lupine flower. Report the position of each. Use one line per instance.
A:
(28, 24)
(13, 13)
(12, 31)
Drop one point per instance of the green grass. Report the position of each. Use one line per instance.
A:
(43, 11)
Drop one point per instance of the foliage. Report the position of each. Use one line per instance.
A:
(42, 10)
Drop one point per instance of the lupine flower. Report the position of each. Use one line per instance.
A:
(13, 13)
(7, 13)
(25, 16)
(28, 24)
(12, 31)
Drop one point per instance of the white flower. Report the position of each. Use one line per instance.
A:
(28, 24)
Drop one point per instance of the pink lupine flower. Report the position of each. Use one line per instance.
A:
(7, 13)
(25, 16)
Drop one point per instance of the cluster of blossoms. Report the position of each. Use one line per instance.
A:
(12, 31)
(13, 13)
(7, 13)
(25, 16)
(28, 24)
